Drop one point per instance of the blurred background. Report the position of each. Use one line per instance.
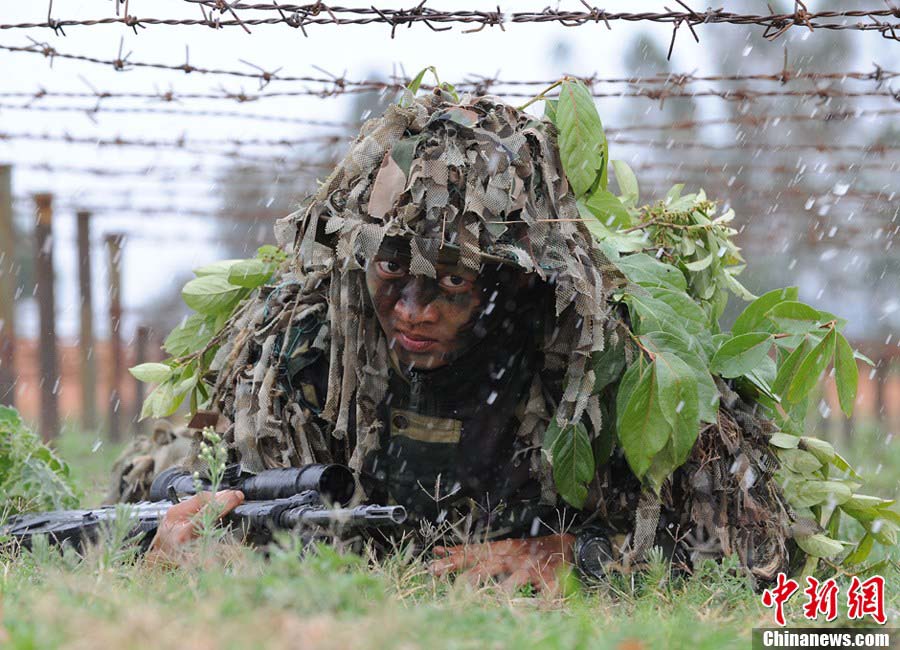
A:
(130, 154)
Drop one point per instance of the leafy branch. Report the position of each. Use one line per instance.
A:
(681, 265)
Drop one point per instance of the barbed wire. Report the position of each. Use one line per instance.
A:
(185, 144)
(190, 174)
(656, 94)
(92, 111)
(184, 174)
(875, 148)
(734, 168)
(303, 16)
(478, 83)
(759, 121)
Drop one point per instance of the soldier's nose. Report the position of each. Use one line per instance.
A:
(416, 304)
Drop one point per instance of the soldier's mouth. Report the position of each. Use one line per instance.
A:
(415, 342)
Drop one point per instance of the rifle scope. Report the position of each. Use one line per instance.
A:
(333, 482)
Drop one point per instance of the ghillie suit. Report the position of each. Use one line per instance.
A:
(304, 369)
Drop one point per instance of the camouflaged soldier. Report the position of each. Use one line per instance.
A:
(443, 304)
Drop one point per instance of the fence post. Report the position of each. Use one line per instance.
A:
(49, 364)
(7, 290)
(141, 344)
(86, 333)
(114, 253)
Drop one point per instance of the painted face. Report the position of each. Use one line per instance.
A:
(428, 321)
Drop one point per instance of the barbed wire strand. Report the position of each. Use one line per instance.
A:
(655, 94)
(185, 143)
(482, 84)
(303, 16)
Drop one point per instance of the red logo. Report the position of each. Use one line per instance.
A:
(778, 595)
(864, 598)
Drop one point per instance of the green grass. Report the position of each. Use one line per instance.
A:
(234, 597)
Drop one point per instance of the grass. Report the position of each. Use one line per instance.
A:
(235, 597)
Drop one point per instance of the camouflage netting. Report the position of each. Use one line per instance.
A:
(483, 180)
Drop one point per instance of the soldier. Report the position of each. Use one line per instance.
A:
(443, 306)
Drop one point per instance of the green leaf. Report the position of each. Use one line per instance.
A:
(608, 364)
(655, 313)
(611, 241)
(628, 184)
(805, 493)
(250, 273)
(784, 440)
(811, 368)
(151, 372)
(799, 461)
(699, 265)
(162, 401)
(678, 399)
(608, 209)
(216, 268)
(846, 374)
(550, 109)
(190, 336)
(573, 463)
(582, 144)
(211, 294)
(741, 354)
(788, 368)
(693, 356)
(820, 545)
(862, 550)
(641, 425)
(416, 82)
(753, 318)
(648, 271)
(822, 450)
(793, 317)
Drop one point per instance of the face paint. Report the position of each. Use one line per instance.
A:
(428, 322)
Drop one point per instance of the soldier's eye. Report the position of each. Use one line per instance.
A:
(454, 282)
(391, 268)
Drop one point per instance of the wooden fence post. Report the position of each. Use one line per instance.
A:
(141, 344)
(49, 364)
(7, 290)
(88, 368)
(114, 253)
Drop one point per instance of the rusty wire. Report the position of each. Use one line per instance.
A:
(303, 16)
(759, 121)
(875, 149)
(184, 143)
(656, 94)
(483, 84)
(92, 111)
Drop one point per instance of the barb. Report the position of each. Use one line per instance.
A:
(474, 83)
(303, 16)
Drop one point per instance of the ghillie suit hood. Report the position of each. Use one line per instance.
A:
(479, 182)
(475, 180)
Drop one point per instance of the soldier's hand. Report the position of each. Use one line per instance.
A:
(536, 561)
(181, 523)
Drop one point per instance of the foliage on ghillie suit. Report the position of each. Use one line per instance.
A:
(641, 415)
